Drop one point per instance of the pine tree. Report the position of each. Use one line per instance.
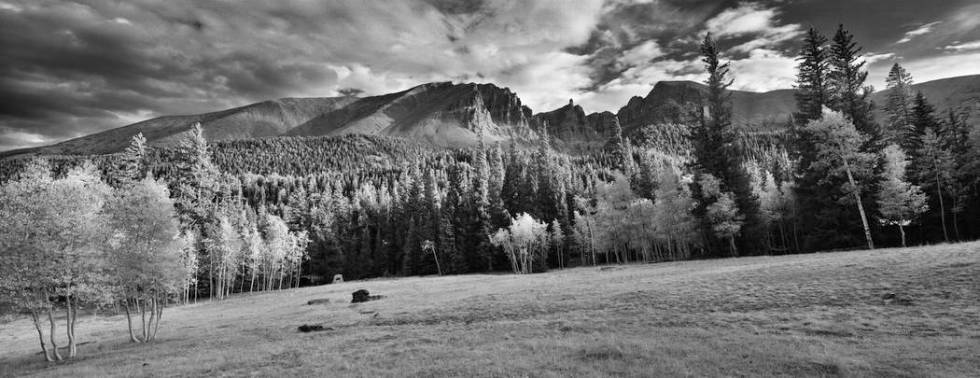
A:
(195, 186)
(716, 151)
(134, 160)
(615, 147)
(495, 182)
(513, 182)
(923, 118)
(811, 81)
(955, 137)
(480, 220)
(845, 80)
(898, 105)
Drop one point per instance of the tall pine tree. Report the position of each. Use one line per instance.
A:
(811, 80)
(716, 151)
(898, 105)
(848, 94)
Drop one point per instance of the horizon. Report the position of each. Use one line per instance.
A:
(109, 64)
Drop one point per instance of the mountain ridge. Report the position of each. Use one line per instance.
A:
(447, 114)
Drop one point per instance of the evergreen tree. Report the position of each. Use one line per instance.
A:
(495, 182)
(811, 80)
(923, 118)
(513, 182)
(845, 80)
(716, 151)
(195, 185)
(615, 147)
(898, 105)
(955, 138)
(134, 160)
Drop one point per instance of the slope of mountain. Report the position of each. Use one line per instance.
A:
(267, 118)
(442, 114)
(957, 93)
(675, 101)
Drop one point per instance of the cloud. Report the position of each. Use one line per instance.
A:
(70, 69)
(747, 18)
(764, 70)
(641, 54)
(872, 58)
(921, 30)
(752, 20)
(963, 46)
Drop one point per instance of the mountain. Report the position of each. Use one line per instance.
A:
(451, 115)
(570, 123)
(675, 101)
(442, 114)
(958, 93)
(267, 118)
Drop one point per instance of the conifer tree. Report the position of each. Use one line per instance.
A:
(848, 94)
(134, 160)
(811, 80)
(923, 118)
(716, 151)
(615, 147)
(898, 105)
(481, 219)
(954, 136)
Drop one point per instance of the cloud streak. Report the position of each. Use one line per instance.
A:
(922, 30)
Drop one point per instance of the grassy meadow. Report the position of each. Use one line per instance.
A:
(888, 312)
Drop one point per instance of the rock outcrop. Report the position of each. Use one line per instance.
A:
(443, 114)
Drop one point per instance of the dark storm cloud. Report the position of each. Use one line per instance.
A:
(72, 68)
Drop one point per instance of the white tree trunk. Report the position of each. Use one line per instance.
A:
(40, 334)
(942, 207)
(860, 205)
(54, 344)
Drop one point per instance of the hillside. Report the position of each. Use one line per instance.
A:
(263, 119)
(959, 93)
(889, 312)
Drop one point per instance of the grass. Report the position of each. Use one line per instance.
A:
(888, 313)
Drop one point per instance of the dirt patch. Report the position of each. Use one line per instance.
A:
(363, 295)
(313, 328)
(320, 301)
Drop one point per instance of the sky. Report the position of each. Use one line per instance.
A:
(71, 68)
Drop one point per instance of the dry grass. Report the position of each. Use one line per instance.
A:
(807, 315)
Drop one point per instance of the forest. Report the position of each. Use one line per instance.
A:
(199, 220)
